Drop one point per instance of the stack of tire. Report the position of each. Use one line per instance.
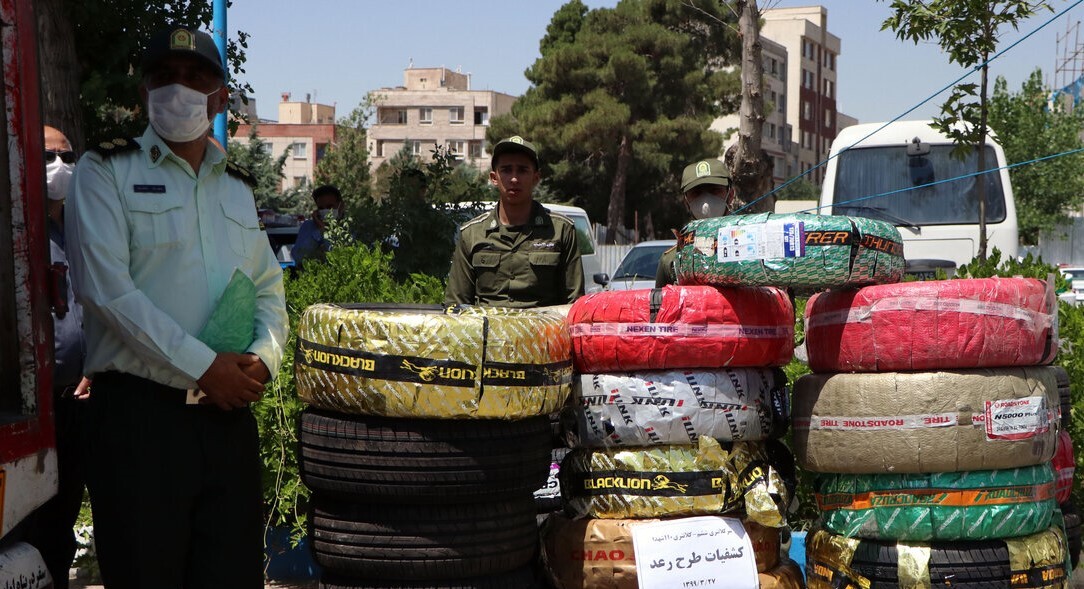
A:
(931, 421)
(425, 436)
(678, 404)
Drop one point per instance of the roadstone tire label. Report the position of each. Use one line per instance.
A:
(1016, 419)
(811, 252)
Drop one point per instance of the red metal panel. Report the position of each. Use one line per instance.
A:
(24, 139)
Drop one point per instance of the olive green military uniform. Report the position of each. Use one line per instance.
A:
(533, 265)
(666, 274)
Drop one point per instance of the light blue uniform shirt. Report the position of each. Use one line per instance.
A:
(153, 245)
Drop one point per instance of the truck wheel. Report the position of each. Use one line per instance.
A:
(422, 460)
(423, 542)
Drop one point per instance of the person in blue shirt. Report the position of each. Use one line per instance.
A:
(311, 243)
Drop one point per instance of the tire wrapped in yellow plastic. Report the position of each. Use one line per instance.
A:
(672, 480)
(427, 361)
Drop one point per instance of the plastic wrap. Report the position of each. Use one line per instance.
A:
(977, 505)
(895, 422)
(681, 327)
(465, 362)
(676, 407)
(806, 252)
(930, 325)
(599, 553)
(1037, 561)
(667, 481)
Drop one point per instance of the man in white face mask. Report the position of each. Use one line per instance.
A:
(158, 226)
(707, 192)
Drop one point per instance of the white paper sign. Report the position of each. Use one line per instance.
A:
(706, 552)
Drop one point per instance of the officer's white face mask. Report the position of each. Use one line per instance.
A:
(178, 113)
(58, 176)
(706, 206)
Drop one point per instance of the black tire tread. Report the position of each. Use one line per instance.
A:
(522, 578)
(426, 460)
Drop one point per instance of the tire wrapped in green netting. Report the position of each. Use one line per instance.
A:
(430, 362)
(976, 505)
(1038, 561)
(807, 252)
(666, 481)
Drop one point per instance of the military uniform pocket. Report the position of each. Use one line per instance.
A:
(544, 266)
(241, 226)
(156, 220)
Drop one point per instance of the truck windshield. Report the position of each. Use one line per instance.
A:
(866, 171)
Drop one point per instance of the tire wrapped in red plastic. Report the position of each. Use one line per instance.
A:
(1064, 464)
(973, 323)
(681, 327)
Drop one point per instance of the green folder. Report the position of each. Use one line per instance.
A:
(232, 324)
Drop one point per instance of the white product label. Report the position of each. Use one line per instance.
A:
(706, 552)
(878, 423)
(552, 487)
(765, 241)
(1016, 419)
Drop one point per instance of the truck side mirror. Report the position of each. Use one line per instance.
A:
(601, 279)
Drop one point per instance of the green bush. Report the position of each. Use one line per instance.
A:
(351, 273)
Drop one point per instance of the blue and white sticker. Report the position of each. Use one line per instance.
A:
(763, 241)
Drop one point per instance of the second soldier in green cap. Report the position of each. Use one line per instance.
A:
(707, 192)
(519, 254)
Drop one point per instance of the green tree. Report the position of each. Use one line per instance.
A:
(346, 161)
(1029, 127)
(89, 49)
(255, 157)
(800, 189)
(968, 31)
(622, 99)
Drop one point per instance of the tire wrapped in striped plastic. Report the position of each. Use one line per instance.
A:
(431, 362)
(681, 327)
(667, 481)
(974, 323)
(600, 552)
(676, 407)
(805, 252)
(912, 422)
(976, 505)
(1037, 561)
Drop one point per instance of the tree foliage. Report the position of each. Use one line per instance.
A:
(345, 163)
(622, 99)
(1029, 126)
(255, 157)
(800, 189)
(968, 31)
(98, 98)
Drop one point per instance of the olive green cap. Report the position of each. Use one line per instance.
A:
(703, 172)
(514, 144)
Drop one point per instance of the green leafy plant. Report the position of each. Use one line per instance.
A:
(350, 273)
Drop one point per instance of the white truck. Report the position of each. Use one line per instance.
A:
(907, 175)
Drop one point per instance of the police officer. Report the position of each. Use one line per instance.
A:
(707, 192)
(156, 227)
(519, 254)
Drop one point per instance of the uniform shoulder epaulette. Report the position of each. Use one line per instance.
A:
(115, 146)
(238, 172)
(475, 221)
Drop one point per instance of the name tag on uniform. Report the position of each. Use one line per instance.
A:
(150, 188)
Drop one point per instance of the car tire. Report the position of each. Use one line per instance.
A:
(422, 460)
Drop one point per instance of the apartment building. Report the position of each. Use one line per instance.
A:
(434, 107)
(776, 134)
(306, 129)
(811, 80)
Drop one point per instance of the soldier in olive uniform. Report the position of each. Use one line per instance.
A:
(708, 193)
(519, 254)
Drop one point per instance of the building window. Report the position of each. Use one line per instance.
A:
(807, 79)
(830, 61)
(299, 150)
(771, 130)
(828, 118)
(475, 149)
(774, 67)
(782, 101)
(425, 116)
(481, 116)
(379, 148)
(393, 116)
(807, 110)
(416, 148)
(300, 181)
(829, 89)
(455, 115)
(457, 149)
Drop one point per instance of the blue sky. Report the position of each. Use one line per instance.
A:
(338, 50)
